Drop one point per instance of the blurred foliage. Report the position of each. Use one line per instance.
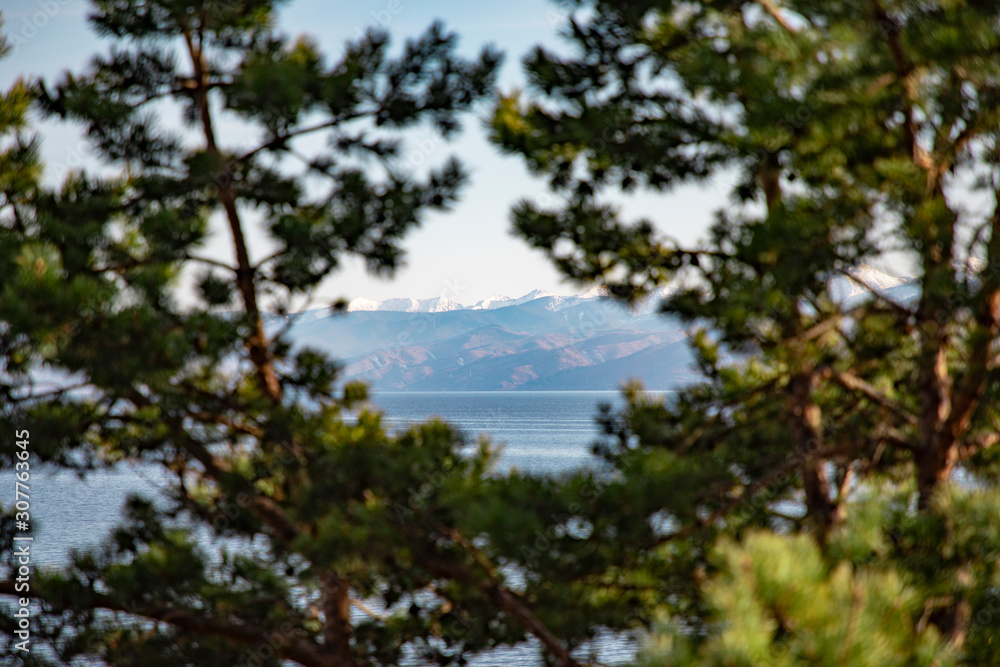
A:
(823, 493)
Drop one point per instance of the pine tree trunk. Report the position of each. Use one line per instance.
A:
(257, 343)
(807, 434)
(337, 620)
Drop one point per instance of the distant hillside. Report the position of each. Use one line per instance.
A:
(539, 341)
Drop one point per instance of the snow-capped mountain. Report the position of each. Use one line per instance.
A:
(404, 305)
(493, 301)
(551, 302)
(443, 304)
(361, 303)
(537, 341)
(499, 301)
(651, 304)
(861, 281)
(594, 292)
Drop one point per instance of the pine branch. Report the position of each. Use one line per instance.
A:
(775, 12)
(211, 262)
(874, 291)
(720, 513)
(971, 386)
(491, 587)
(853, 383)
(507, 600)
(299, 650)
(972, 447)
(280, 140)
(904, 70)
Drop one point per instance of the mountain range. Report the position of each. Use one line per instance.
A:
(539, 341)
(443, 304)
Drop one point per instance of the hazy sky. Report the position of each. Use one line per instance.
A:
(466, 254)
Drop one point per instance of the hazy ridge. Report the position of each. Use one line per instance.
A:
(540, 341)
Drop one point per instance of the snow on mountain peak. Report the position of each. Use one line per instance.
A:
(400, 304)
(439, 305)
(532, 295)
(970, 268)
(493, 301)
(873, 277)
(861, 280)
(594, 292)
(362, 303)
(405, 305)
(442, 304)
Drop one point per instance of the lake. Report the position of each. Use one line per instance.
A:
(542, 432)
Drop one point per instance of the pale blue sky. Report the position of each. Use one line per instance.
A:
(466, 254)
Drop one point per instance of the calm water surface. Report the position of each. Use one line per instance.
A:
(539, 431)
(543, 432)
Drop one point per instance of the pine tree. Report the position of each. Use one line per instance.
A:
(286, 532)
(856, 130)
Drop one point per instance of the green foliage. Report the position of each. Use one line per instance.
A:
(874, 594)
(826, 494)
(783, 605)
(292, 526)
(856, 132)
